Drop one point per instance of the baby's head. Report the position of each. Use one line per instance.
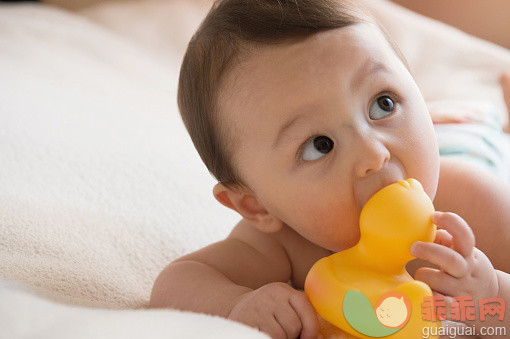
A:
(303, 109)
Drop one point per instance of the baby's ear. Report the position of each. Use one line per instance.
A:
(247, 205)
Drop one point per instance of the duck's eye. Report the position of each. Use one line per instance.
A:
(317, 148)
(381, 107)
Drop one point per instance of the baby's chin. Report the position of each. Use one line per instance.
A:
(338, 246)
(334, 238)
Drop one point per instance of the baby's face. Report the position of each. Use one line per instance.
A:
(322, 124)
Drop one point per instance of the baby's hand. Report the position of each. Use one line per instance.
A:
(464, 269)
(278, 310)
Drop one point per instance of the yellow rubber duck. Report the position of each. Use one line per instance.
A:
(366, 290)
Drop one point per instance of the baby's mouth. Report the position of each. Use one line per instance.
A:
(378, 182)
(378, 188)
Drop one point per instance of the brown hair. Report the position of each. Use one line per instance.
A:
(228, 29)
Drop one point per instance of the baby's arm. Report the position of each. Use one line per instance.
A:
(242, 278)
(483, 200)
(464, 270)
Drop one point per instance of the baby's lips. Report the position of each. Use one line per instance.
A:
(391, 180)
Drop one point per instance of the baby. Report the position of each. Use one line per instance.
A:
(303, 110)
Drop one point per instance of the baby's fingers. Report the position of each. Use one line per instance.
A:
(443, 238)
(463, 239)
(306, 312)
(450, 261)
(438, 281)
(290, 322)
(273, 328)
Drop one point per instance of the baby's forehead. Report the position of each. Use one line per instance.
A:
(260, 69)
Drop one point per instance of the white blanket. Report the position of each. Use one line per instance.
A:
(25, 316)
(100, 185)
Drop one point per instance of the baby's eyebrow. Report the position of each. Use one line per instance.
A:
(368, 68)
(289, 123)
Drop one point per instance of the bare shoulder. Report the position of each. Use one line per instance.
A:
(247, 257)
(468, 189)
(480, 198)
(290, 254)
(251, 258)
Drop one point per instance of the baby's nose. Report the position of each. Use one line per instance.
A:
(371, 155)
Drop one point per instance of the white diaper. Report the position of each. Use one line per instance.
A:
(471, 131)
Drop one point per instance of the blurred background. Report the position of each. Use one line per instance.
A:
(485, 19)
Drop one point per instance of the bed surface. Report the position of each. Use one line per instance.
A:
(101, 185)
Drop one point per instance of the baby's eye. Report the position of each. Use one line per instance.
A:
(317, 148)
(381, 107)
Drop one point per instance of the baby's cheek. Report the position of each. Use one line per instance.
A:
(422, 163)
(336, 231)
(429, 173)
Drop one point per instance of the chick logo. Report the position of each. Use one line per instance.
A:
(388, 316)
